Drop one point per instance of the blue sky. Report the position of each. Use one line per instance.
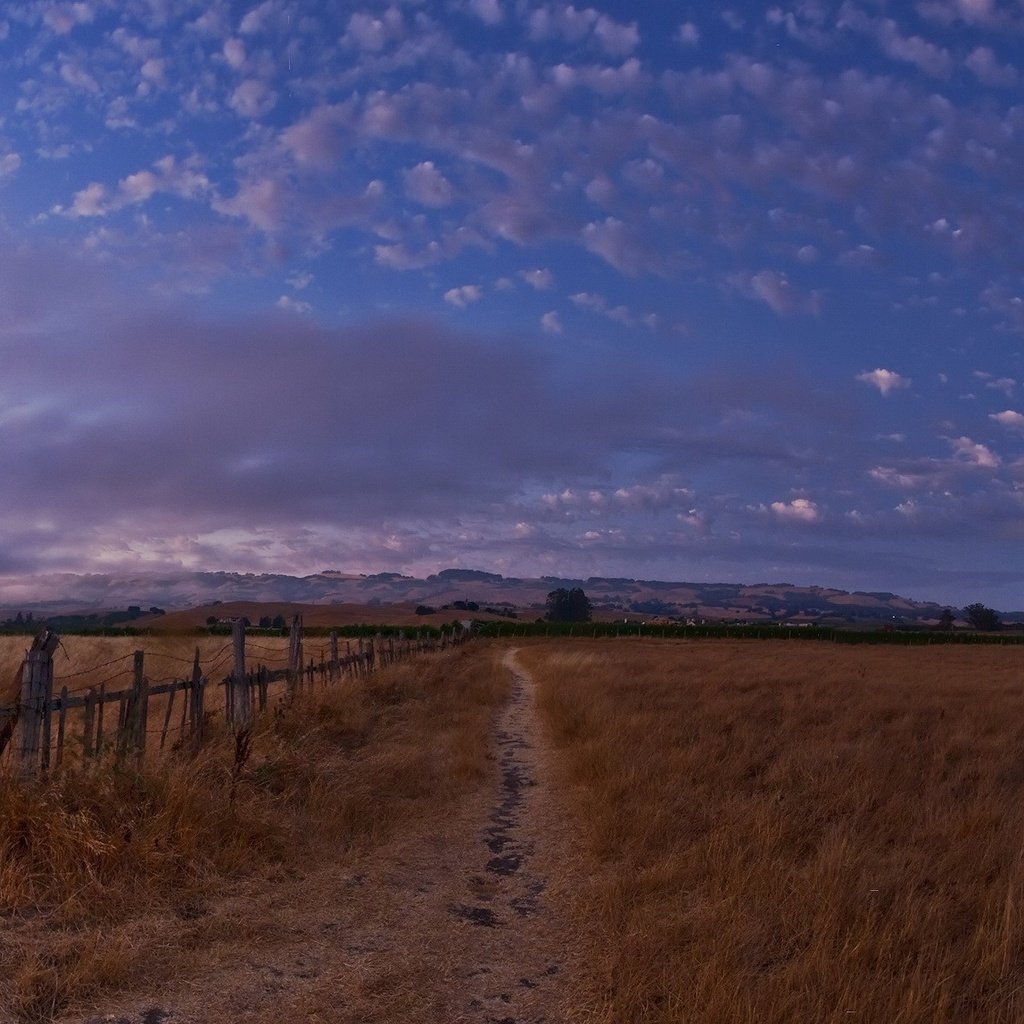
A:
(667, 290)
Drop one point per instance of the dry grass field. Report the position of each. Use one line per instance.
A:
(779, 833)
(107, 876)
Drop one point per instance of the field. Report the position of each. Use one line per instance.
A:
(704, 832)
(777, 833)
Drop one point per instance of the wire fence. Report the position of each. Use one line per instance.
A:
(127, 705)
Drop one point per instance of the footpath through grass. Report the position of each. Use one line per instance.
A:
(793, 832)
(107, 876)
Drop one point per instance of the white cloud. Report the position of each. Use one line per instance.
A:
(551, 323)
(1008, 418)
(616, 39)
(234, 52)
(89, 202)
(688, 34)
(886, 381)
(78, 78)
(9, 163)
(463, 296)
(799, 510)
(426, 185)
(154, 71)
(488, 11)
(62, 18)
(976, 454)
(541, 279)
(286, 302)
(252, 98)
(987, 69)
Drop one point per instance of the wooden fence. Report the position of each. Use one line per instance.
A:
(37, 727)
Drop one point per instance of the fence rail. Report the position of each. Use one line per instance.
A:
(36, 728)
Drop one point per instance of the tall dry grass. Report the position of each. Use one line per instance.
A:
(783, 833)
(88, 861)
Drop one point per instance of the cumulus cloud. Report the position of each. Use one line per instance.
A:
(776, 291)
(979, 455)
(799, 510)
(551, 323)
(1009, 418)
(540, 278)
(983, 63)
(426, 185)
(463, 296)
(688, 34)
(252, 99)
(887, 381)
(490, 12)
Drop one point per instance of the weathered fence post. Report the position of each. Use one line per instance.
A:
(241, 705)
(195, 704)
(133, 718)
(334, 667)
(90, 715)
(295, 654)
(34, 706)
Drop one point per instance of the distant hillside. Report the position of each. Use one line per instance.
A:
(612, 597)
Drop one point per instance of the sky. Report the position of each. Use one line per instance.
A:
(665, 290)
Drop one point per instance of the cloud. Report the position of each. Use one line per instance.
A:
(490, 12)
(983, 63)
(1009, 418)
(89, 201)
(234, 52)
(464, 296)
(426, 185)
(775, 290)
(63, 18)
(286, 302)
(887, 381)
(979, 455)
(78, 78)
(688, 34)
(551, 323)
(540, 279)
(252, 99)
(799, 510)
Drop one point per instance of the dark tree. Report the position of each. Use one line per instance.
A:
(265, 621)
(277, 622)
(945, 621)
(425, 609)
(568, 605)
(211, 620)
(982, 618)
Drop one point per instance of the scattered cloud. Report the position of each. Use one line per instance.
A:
(463, 296)
(887, 381)
(551, 323)
(799, 510)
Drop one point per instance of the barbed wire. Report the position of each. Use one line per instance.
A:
(92, 668)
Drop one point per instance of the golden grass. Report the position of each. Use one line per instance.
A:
(86, 858)
(786, 833)
(82, 662)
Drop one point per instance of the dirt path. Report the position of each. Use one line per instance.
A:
(454, 922)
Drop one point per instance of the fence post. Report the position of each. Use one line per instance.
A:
(295, 653)
(36, 691)
(241, 705)
(334, 655)
(133, 722)
(195, 704)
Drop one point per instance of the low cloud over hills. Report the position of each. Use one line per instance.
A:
(612, 597)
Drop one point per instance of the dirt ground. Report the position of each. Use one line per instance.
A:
(457, 920)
